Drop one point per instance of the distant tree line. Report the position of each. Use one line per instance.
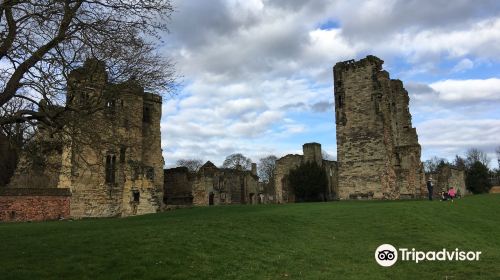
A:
(478, 176)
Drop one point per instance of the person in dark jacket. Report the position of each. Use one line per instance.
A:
(430, 187)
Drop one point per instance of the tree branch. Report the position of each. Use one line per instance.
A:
(14, 82)
(11, 23)
(22, 116)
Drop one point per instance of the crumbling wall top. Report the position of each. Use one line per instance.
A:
(312, 144)
(180, 169)
(153, 97)
(352, 64)
(91, 67)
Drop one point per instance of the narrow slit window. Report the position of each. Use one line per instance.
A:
(122, 154)
(146, 114)
(110, 169)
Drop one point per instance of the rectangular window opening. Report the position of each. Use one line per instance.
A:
(150, 173)
(123, 149)
(110, 169)
(146, 114)
(136, 195)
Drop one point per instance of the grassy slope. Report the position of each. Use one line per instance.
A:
(295, 241)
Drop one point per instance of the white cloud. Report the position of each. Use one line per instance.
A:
(255, 69)
(238, 107)
(481, 39)
(453, 136)
(468, 90)
(375, 21)
(463, 65)
(255, 127)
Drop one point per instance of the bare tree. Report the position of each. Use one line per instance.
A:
(459, 162)
(432, 165)
(475, 155)
(42, 41)
(266, 168)
(235, 160)
(192, 165)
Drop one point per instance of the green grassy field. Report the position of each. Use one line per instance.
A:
(294, 241)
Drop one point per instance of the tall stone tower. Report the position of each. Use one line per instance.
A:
(312, 152)
(377, 148)
(112, 160)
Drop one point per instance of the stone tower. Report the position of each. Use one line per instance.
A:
(312, 152)
(112, 161)
(378, 152)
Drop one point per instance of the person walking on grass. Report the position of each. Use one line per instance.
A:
(430, 188)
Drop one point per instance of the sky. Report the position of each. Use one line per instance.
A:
(257, 74)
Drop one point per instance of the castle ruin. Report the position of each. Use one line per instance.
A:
(312, 153)
(445, 177)
(110, 159)
(120, 172)
(378, 152)
(211, 185)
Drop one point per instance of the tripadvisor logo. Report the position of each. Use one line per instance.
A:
(387, 255)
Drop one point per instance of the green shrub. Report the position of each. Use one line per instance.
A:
(477, 178)
(309, 182)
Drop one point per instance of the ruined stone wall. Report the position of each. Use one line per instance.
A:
(377, 149)
(283, 167)
(457, 180)
(123, 135)
(151, 140)
(123, 127)
(409, 168)
(39, 166)
(268, 193)
(202, 190)
(27, 204)
(178, 186)
(144, 163)
(232, 184)
(446, 177)
(252, 191)
(331, 170)
(203, 185)
(211, 186)
(312, 152)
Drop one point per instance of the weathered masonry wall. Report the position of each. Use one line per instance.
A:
(446, 177)
(129, 131)
(112, 161)
(213, 186)
(377, 148)
(178, 186)
(312, 153)
(25, 204)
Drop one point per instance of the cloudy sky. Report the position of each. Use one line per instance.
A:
(257, 74)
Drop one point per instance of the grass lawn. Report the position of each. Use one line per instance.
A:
(294, 241)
